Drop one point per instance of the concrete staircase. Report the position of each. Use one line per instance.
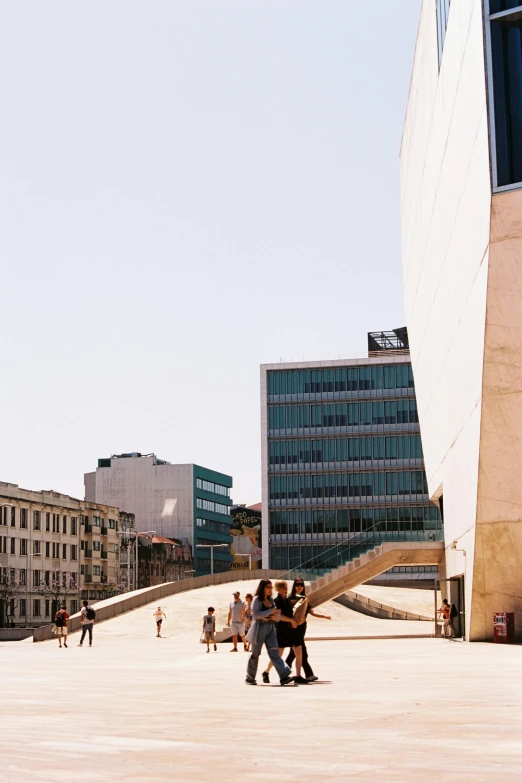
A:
(371, 564)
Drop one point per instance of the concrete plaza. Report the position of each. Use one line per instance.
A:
(138, 708)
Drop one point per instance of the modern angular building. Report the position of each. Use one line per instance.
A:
(186, 502)
(461, 183)
(342, 456)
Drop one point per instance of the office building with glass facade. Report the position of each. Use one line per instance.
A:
(342, 455)
(187, 502)
(461, 192)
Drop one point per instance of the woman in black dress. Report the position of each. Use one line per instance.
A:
(298, 592)
(286, 630)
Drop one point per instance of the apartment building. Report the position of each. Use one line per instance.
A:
(53, 549)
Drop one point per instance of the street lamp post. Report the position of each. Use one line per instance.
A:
(135, 533)
(249, 559)
(211, 547)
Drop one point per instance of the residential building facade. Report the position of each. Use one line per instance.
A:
(163, 559)
(186, 502)
(342, 456)
(53, 548)
(461, 191)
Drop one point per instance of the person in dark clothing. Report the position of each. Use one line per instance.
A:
(285, 630)
(298, 592)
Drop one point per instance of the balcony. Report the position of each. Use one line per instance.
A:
(104, 555)
(87, 552)
(104, 531)
(87, 577)
(88, 528)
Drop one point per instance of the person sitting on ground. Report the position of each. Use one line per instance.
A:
(262, 632)
(61, 618)
(159, 616)
(286, 632)
(209, 628)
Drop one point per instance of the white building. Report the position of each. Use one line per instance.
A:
(187, 502)
(461, 182)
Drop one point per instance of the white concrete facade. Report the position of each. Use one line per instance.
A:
(160, 495)
(453, 289)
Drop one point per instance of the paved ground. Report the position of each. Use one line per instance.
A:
(137, 708)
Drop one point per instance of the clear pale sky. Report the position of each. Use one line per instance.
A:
(189, 188)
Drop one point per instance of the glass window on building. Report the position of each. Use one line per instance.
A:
(443, 9)
(506, 66)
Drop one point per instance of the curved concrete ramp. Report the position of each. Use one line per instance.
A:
(373, 563)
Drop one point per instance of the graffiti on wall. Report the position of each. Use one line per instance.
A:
(246, 538)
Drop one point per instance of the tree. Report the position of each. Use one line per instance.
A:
(109, 589)
(10, 590)
(59, 590)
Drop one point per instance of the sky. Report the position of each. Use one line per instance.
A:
(188, 189)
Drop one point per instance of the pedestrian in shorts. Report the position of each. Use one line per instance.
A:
(61, 618)
(209, 628)
(236, 621)
(159, 616)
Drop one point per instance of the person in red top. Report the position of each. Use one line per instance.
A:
(445, 611)
(61, 618)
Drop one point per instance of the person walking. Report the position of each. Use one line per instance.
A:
(445, 611)
(88, 616)
(159, 616)
(298, 593)
(248, 617)
(286, 636)
(209, 628)
(236, 621)
(61, 618)
(262, 632)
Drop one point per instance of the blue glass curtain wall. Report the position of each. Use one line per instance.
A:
(342, 414)
(318, 451)
(327, 380)
(342, 521)
(336, 487)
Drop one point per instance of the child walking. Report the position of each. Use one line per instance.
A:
(209, 628)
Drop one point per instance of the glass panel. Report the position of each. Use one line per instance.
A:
(378, 447)
(352, 379)
(341, 450)
(497, 6)
(377, 412)
(304, 381)
(389, 377)
(340, 379)
(506, 44)
(304, 415)
(377, 378)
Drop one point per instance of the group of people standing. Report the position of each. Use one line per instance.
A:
(278, 625)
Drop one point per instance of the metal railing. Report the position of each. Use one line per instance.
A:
(358, 544)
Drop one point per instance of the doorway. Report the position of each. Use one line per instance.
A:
(453, 590)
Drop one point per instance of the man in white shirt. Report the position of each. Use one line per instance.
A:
(87, 620)
(236, 621)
